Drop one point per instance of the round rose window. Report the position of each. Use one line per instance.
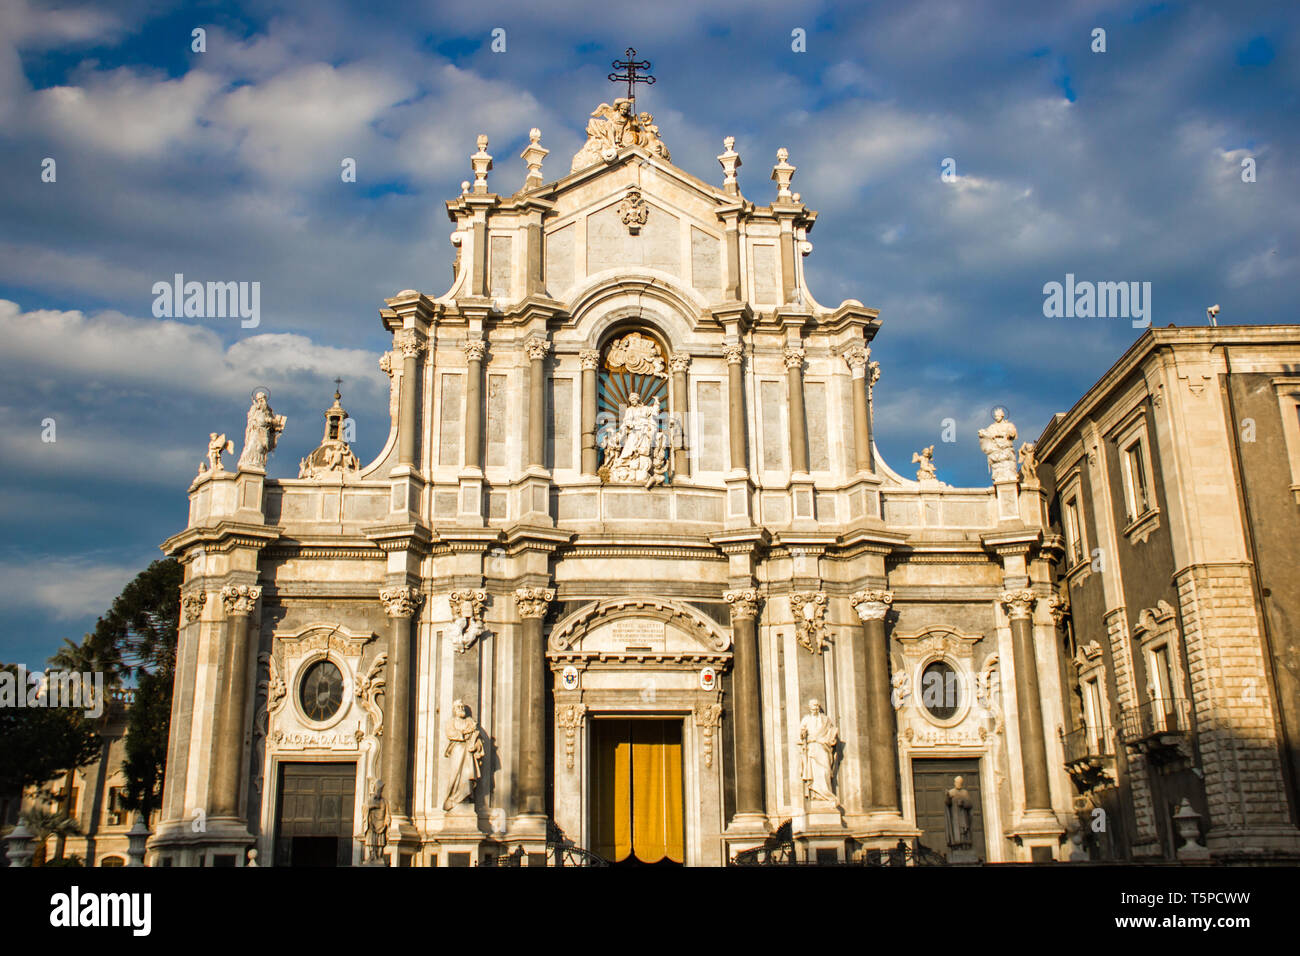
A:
(939, 693)
(321, 690)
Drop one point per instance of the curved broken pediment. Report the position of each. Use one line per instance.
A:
(638, 627)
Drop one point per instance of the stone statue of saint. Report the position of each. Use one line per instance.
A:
(1028, 462)
(216, 445)
(377, 820)
(997, 443)
(263, 429)
(638, 452)
(818, 737)
(925, 459)
(465, 750)
(958, 810)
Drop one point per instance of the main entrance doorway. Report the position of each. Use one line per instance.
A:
(931, 781)
(313, 817)
(636, 791)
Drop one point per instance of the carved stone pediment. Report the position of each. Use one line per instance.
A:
(638, 629)
(323, 637)
(939, 641)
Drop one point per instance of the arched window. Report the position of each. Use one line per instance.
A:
(112, 861)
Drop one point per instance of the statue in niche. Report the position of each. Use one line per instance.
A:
(465, 750)
(818, 737)
(997, 443)
(377, 821)
(216, 445)
(637, 453)
(260, 435)
(958, 806)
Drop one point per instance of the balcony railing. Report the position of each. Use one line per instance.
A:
(1087, 744)
(1164, 715)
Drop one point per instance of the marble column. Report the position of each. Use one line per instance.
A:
(679, 363)
(736, 401)
(474, 349)
(401, 604)
(745, 688)
(857, 358)
(530, 668)
(537, 349)
(409, 344)
(869, 660)
(590, 359)
(798, 421)
(228, 762)
(1019, 605)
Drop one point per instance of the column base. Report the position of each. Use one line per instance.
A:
(740, 500)
(1038, 836)
(746, 831)
(224, 841)
(533, 495)
(403, 841)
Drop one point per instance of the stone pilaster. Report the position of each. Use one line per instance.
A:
(409, 344)
(735, 355)
(401, 605)
(748, 732)
(869, 660)
(1019, 605)
(590, 360)
(679, 364)
(537, 349)
(228, 761)
(794, 358)
(857, 358)
(474, 349)
(530, 770)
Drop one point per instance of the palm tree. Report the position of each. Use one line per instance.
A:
(46, 823)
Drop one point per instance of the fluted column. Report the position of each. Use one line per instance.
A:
(409, 344)
(857, 358)
(228, 763)
(870, 663)
(537, 349)
(530, 776)
(679, 363)
(474, 349)
(1019, 605)
(736, 401)
(590, 359)
(401, 604)
(798, 422)
(745, 687)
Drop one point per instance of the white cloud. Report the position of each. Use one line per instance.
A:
(67, 587)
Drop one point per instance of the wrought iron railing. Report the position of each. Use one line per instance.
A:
(1164, 715)
(560, 851)
(1087, 743)
(783, 852)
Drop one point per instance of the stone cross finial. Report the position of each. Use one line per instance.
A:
(482, 163)
(782, 173)
(730, 160)
(533, 155)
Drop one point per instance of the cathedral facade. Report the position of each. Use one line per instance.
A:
(629, 575)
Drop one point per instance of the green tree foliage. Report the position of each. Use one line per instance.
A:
(38, 744)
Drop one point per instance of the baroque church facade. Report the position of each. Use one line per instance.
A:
(628, 575)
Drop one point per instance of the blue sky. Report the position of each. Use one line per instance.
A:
(1115, 166)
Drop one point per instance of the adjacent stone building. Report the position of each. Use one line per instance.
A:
(629, 574)
(1174, 483)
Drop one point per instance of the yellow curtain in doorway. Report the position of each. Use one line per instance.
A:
(638, 791)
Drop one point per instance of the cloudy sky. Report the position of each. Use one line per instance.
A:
(1122, 165)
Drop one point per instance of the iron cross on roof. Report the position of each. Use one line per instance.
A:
(628, 76)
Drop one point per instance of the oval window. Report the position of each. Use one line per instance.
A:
(939, 692)
(321, 690)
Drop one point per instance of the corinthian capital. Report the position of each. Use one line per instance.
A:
(1019, 604)
(590, 359)
(744, 603)
(192, 605)
(401, 601)
(408, 343)
(735, 354)
(680, 362)
(533, 602)
(1059, 609)
(857, 358)
(474, 349)
(537, 348)
(238, 599)
(872, 605)
(794, 357)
